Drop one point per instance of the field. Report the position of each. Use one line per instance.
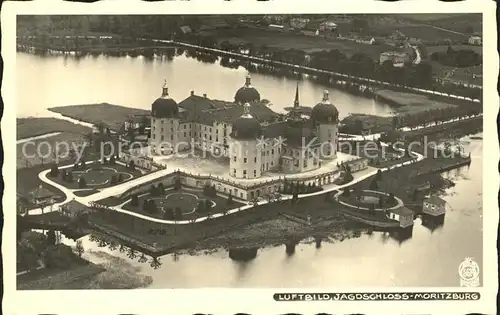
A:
(32, 127)
(111, 115)
(469, 75)
(281, 40)
(44, 151)
(97, 176)
(410, 103)
(443, 48)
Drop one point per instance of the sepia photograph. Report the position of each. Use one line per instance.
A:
(252, 151)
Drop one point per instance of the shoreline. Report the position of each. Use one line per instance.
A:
(296, 69)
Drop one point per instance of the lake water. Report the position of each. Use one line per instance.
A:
(136, 82)
(428, 258)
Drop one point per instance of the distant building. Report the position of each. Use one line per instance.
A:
(475, 40)
(403, 215)
(395, 57)
(42, 196)
(434, 206)
(327, 26)
(298, 23)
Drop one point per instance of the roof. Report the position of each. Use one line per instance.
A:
(185, 29)
(435, 200)
(229, 114)
(402, 211)
(41, 192)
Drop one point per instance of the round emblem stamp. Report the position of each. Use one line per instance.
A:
(469, 273)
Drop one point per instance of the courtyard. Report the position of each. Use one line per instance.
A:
(204, 165)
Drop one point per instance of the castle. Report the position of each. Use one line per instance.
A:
(253, 137)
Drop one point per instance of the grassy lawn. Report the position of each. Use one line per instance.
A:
(280, 40)
(410, 103)
(32, 127)
(365, 199)
(96, 175)
(187, 200)
(46, 150)
(111, 115)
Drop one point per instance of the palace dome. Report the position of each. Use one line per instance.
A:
(164, 106)
(325, 112)
(247, 93)
(246, 127)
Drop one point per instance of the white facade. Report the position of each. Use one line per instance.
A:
(245, 160)
(328, 137)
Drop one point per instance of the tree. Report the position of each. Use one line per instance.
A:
(168, 214)
(346, 192)
(79, 248)
(178, 213)
(51, 238)
(161, 189)
(82, 183)
(134, 201)
(178, 184)
(153, 191)
(54, 170)
(208, 204)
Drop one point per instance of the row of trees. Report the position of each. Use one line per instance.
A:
(457, 58)
(435, 116)
(289, 188)
(155, 262)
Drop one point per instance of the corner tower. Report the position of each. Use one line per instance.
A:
(325, 118)
(245, 156)
(164, 123)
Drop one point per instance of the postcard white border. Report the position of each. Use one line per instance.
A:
(254, 301)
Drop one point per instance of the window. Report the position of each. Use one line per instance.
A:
(171, 137)
(255, 159)
(234, 171)
(217, 139)
(161, 130)
(234, 159)
(153, 135)
(254, 173)
(244, 160)
(272, 151)
(272, 163)
(162, 138)
(210, 138)
(244, 173)
(185, 126)
(185, 134)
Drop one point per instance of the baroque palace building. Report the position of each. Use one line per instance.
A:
(253, 137)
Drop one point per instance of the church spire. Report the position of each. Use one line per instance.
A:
(296, 102)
